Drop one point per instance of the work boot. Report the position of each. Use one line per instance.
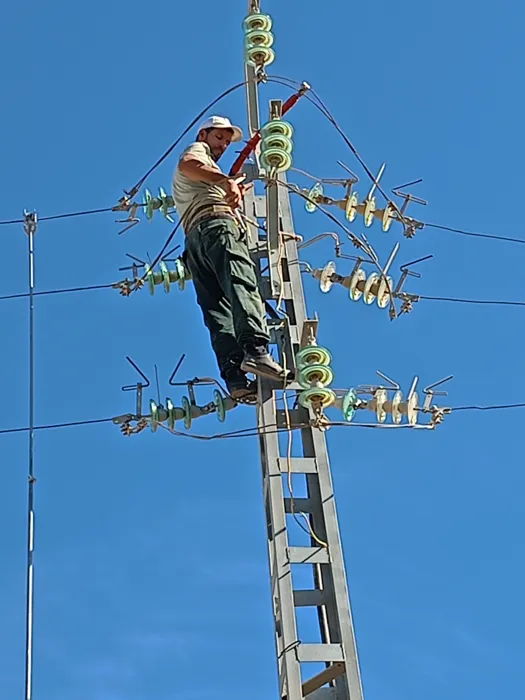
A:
(259, 361)
(240, 388)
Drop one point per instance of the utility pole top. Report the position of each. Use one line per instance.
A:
(30, 222)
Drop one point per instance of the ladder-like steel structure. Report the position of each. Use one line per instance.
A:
(320, 553)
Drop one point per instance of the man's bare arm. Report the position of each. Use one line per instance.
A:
(198, 171)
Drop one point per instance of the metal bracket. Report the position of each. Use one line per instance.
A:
(196, 381)
(138, 387)
(309, 332)
(410, 225)
(407, 272)
(276, 109)
(430, 393)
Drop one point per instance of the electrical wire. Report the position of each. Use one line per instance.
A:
(314, 99)
(60, 216)
(6, 431)
(319, 104)
(468, 301)
(415, 297)
(488, 408)
(59, 291)
(255, 431)
(190, 126)
(289, 429)
(140, 280)
(248, 432)
(308, 529)
(424, 223)
(133, 191)
(172, 147)
(475, 234)
(358, 242)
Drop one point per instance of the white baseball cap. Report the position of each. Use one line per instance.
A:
(217, 122)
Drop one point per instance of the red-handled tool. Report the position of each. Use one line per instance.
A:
(255, 139)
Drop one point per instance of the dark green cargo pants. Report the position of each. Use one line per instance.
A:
(225, 282)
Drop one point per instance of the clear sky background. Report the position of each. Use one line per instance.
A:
(151, 569)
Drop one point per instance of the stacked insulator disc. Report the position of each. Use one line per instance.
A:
(383, 406)
(325, 276)
(369, 211)
(258, 40)
(371, 288)
(315, 193)
(163, 202)
(276, 146)
(179, 274)
(375, 287)
(315, 376)
(187, 412)
(168, 415)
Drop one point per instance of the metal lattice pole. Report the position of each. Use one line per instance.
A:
(328, 596)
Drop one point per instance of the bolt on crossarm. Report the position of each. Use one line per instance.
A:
(318, 552)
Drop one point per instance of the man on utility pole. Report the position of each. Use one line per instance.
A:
(218, 259)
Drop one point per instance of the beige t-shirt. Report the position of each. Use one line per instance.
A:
(198, 197)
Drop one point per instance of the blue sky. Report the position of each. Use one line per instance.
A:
(151, 571)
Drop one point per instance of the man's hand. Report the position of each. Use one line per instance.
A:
(234, 193)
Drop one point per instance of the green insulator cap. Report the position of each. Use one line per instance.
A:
(350, 401)
(258, 38)
(259, 56)
(312, 355)
(186, 407)
(315, 374)
(219, 405)
(325, 397)
(150, 277)
(181, 271)
(277, 126)
(316, 191)
(276, 159)
(165, 276)
(280, 141)
(149, 207)
(257, 20)
(154, 411)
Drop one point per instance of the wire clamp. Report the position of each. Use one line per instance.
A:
(30, 222)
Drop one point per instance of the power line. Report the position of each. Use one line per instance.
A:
(139, 184)
(488, 408)
(60, 216)
(254, 431)
(424, 223)
(59, 291)
(475, 234)
(363, 244)
(320, 105)
(470, 301)
(160, 254)
(316, 101)
(133, 191)
(112, 285)
(6, 431)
